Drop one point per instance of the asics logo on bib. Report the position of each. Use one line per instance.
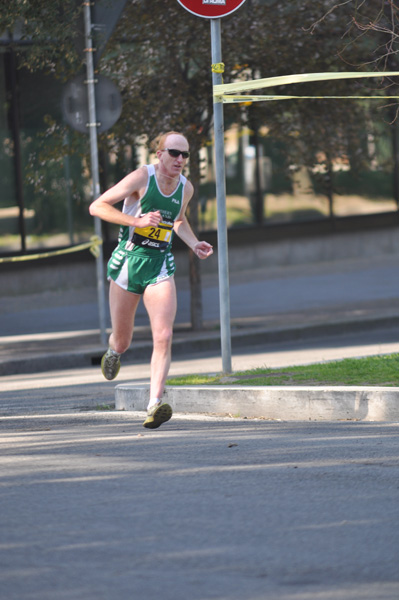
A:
(149, 243)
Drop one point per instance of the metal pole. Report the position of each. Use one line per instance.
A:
(94, 165)
(224, 293)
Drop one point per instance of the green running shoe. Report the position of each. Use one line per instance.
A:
(157, 414)
(110, 364)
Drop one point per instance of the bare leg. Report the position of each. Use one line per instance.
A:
(123, 306)
(160, 302)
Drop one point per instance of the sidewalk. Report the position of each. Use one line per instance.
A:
(60, 329)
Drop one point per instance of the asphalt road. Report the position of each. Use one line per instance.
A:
(94, 506)
(256, 293)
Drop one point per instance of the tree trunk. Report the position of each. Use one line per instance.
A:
(330, 187)
(258, 200)
(395, 150)
(194, 262)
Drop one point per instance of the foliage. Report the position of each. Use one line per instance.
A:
(160, 58)
(371, 32)
(50, 30)
(48, 174)
(304, 37)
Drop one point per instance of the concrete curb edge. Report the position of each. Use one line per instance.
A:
(275, 402)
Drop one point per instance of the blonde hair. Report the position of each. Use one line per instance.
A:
(159, 142)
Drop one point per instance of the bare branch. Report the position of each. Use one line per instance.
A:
(332, 9)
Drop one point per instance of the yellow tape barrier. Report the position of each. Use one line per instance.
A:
(250, 99)
(93, 246)
(224, 92)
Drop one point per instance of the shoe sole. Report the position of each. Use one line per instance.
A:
(102, 370)
(161, 415)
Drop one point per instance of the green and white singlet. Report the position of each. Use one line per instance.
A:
(143, 256)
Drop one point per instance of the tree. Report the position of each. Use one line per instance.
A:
(314, 37)
(160, 57)
(372, 41)
(48, 30)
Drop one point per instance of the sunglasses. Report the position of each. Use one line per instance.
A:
(176, 153)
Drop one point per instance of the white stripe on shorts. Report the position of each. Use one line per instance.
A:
(123, 278)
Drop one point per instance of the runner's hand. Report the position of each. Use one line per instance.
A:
(151, 219)
(203, 250)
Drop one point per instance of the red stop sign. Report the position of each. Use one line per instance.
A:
(211, 9)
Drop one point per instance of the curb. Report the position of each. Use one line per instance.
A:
(340, 403)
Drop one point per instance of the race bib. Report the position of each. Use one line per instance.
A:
(153, 237)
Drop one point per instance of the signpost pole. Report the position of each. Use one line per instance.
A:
(94, 167)
(224, 293)
(214, 9)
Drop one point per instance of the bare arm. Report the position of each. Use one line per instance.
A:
(182, 228)
(129, 187)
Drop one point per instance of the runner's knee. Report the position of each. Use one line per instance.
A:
(163, 337)
(119, 344)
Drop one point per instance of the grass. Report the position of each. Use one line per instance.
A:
(371, 371)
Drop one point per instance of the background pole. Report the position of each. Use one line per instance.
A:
(224, 293)
(94, 166)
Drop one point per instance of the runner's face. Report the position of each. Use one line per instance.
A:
(173, 165)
